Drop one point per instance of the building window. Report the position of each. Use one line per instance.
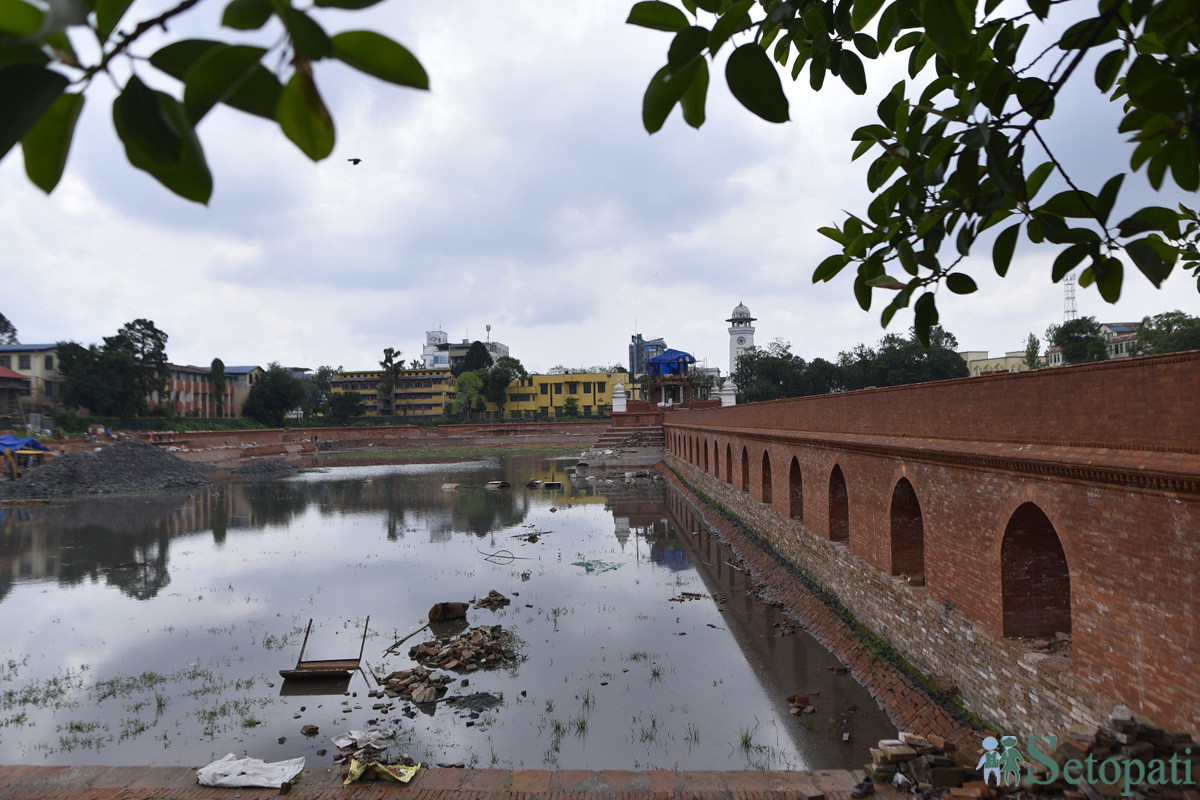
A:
(558, 388)
(587, 388)
(23, 362)
(572, 387)
(6, 361)
(49, 362)
(600, 387)
(545, 388)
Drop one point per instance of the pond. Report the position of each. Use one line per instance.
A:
(151, 630)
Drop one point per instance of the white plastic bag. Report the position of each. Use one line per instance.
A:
(232, 771)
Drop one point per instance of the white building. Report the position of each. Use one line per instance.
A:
(741, 334)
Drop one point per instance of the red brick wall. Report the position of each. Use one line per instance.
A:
(1124, 517)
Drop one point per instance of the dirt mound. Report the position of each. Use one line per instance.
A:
(128, 466)
(266, 466)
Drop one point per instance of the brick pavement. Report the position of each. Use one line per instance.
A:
(325, 783)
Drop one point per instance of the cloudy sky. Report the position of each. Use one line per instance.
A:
(521, 193)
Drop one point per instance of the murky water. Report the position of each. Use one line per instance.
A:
(151, 631)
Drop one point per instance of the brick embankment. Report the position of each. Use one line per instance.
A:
(908, 704)
(179, 783)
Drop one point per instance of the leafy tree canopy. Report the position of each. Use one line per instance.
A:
(217, 370)
(116, 379)
(8, 333)
(273, 395)
(468, 392)
(960, 144)
(477, 357)
(1169, 332)
(317, 390)
(344, 405)
(1033, 351)
(497, 379)
(392, 365)
(1081, 340)
(44, 79)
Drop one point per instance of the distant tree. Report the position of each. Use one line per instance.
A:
(468, 391)
(217, 370)
(477, 357)
(8, 334)
(1033, 351)
(897, 361)
(769, 373)
(416, 363)
(148, 347)
(497, 379)
(317, 389)
(345, 405)
(570, 406)
(1080, 340)
(392, 366)
(1168, 332)
(276, 393)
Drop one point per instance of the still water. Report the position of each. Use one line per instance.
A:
(152, 630)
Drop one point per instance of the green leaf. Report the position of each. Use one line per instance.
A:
(258, 94)
(1151, 218)
(1033, 183)
(852, 73)
(1108, 197)
(1036, 97)
(1108, 68)
(159, 140)
(377, 55)
(736, 18)
(20, 18)
(1088, 33)
(144, 125)
(754, 82)
(1067, 260)
(657, 15)
(686, 47)
(108, 16)
(303, 117)
(960, 283)
(862, 293)
(694, 98)
(1002, 250)
(247, 15)
(178, 57)
(1147, 259)
(829, 268)
(1070, 204)
(925, 316)
(48, 143)
(27, 91)
(351, 5)
(308, 37)
(1109, 274)
(216, 76)
(947, 25)
(663, 92)
(863, 11)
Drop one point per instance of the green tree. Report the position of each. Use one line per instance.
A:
(961, 144)
(317, 390)
(1168, 332)
(116, 379)
(769, 373)
(477, 357)
(256, 71)
(273, 395)
(570, 406)
(147, 345)
(1080, 340)
(392, 366)
(345, 405)
(217, 370)
(8, 333)
(497, 379)
(1033, 351)
(468, 393)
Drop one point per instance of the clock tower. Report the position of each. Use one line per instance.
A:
(741, 334)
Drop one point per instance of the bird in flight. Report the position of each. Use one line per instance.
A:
(355, 161)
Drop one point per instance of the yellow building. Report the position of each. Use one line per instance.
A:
(979, 363)
(419, 392)
(544, 396)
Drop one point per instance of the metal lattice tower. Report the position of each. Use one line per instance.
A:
(1069, 309)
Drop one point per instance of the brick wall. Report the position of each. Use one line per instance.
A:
(1011, 537)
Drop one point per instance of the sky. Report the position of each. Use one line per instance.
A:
(521, 192)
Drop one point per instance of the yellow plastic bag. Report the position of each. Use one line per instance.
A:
(381, 772)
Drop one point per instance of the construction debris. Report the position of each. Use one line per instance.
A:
(485, 646)
(493, 600)
(441, 612)
(417, 684)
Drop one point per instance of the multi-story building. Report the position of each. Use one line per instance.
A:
(440, 353)
(544, 396)
(1120, 337)
(418, 392)
(38, 363)
(189, 393)
(238, 383)
(980, 363)
(641, 351)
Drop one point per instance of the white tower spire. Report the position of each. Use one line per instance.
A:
(741, 334)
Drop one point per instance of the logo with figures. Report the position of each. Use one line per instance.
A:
(1001, 766)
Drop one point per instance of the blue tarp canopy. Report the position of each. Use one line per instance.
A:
(9, 442)
(671, 362)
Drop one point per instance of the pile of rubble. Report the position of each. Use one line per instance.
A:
(485, 646)
(493, 600)
(417, 684)
(125, 467)
(266, 467)
(912, 761)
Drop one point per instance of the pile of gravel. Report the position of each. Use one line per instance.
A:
(266, 466)
(127, 466)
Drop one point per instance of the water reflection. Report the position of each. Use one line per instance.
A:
(213, 589)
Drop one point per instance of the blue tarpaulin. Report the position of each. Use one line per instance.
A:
(9, 442)
(670, 362)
